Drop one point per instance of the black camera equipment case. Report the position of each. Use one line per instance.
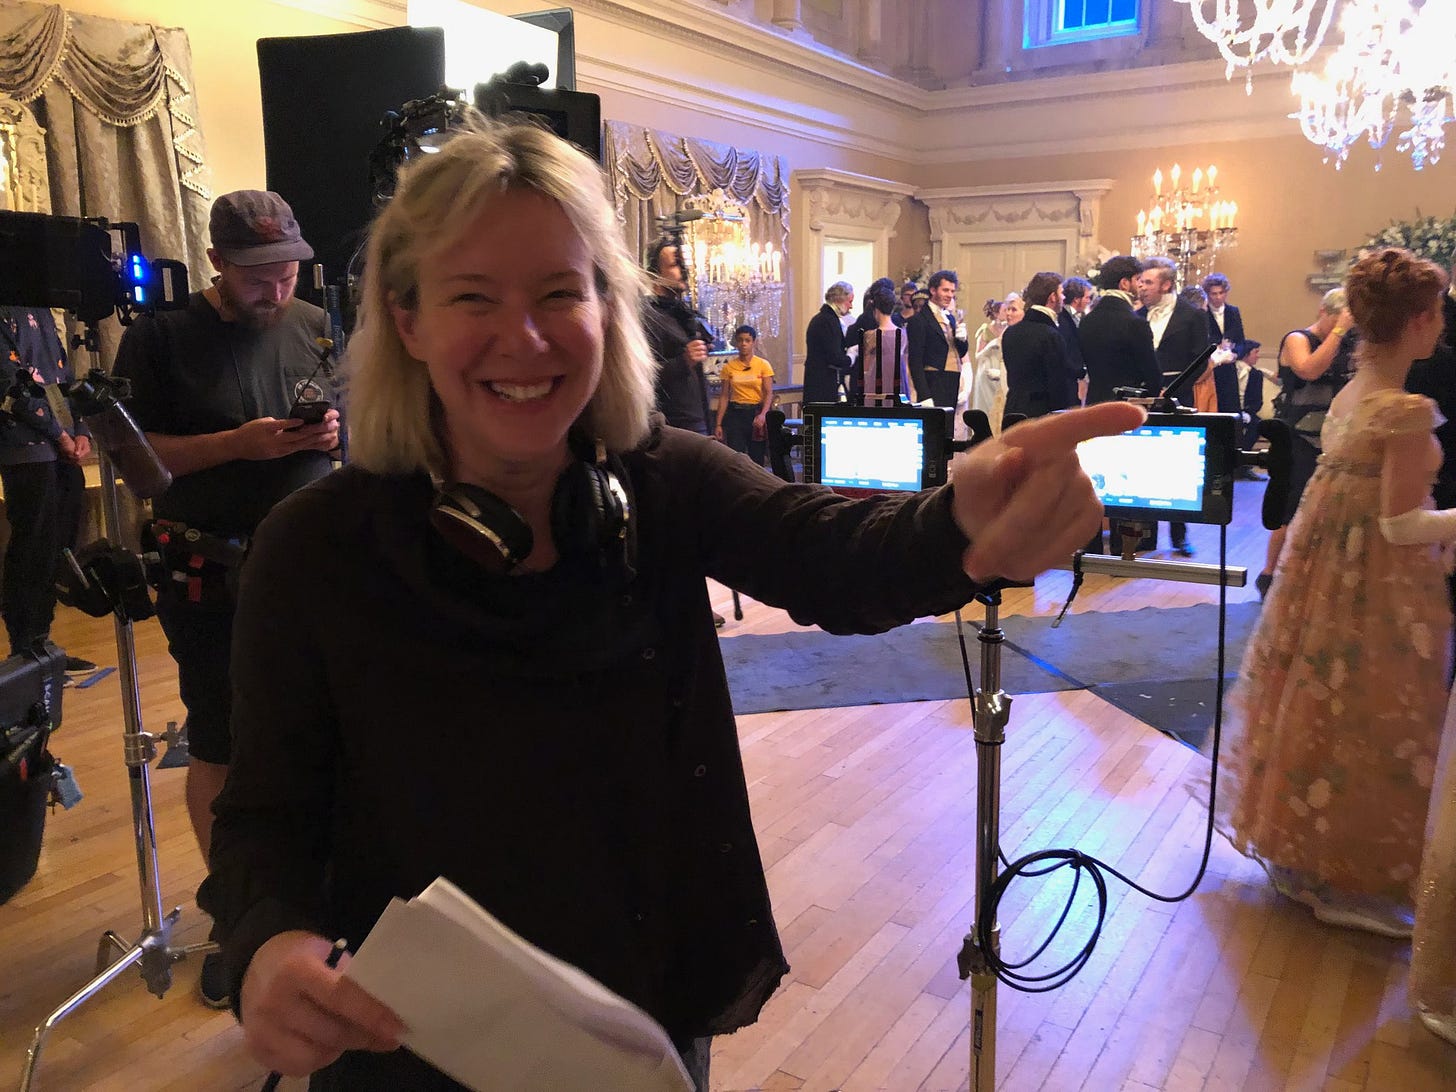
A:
(30, 709)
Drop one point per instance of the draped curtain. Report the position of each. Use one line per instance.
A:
(122, 139)
(652, 171)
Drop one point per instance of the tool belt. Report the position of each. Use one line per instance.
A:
(194, 566)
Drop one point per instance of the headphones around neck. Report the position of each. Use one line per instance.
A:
(591, 517)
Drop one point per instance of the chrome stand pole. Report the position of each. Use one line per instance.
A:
(990, 711)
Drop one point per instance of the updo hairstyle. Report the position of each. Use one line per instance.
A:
(1389, 287)
(882, 299)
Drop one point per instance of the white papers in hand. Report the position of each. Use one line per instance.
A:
(495, 1012)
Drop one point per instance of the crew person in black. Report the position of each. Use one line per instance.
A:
(212, 388)
(41, 451)
(678, 340)
(552, 730)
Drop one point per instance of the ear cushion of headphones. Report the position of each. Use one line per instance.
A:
(482, 527)
(587, 515)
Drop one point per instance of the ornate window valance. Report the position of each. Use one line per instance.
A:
(641, 161)
(123, 73)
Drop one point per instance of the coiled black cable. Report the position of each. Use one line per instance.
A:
(1047, 861)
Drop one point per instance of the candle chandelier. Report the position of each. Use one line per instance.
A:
(1393, 72)
(734, 281)
(1190, 225)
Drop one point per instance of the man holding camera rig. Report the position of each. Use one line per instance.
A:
(228, 393)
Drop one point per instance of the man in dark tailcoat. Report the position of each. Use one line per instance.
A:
(825, 358)
(937, 338)
(1039, 378)
(1117, 345)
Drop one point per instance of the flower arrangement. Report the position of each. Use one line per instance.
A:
(1426, 236)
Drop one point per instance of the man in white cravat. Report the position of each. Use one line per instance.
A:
(1180, 333)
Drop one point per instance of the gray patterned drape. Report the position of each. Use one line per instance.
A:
(651, 171)
(122, 139)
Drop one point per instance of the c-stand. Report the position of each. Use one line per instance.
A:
(65, 262)
(114, 579)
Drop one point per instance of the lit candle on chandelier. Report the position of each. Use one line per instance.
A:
(1175, 174)
(1142, 222)
(1197, 178)
(1212, 176)
(1158, 181)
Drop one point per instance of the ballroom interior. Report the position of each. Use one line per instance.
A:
(904, 136)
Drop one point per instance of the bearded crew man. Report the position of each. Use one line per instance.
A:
(212, 387)
(678, 341)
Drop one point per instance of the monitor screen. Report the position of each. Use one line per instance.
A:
(877, 453)
(1159, 468)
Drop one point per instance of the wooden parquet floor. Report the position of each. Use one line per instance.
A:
(866, 818)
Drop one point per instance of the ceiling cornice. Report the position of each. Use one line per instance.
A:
(601, 74)
(776, 52)
(1074, 88)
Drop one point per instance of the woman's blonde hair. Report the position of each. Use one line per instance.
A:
(1333, 301)
(395, 419)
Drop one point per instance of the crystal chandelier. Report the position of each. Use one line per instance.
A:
(1392, 76)
(1281, 31)
(1190, 225)
(734, 282)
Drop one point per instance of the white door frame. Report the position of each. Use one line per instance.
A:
(833, 204)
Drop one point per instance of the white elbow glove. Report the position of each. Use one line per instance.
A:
(1419, 526)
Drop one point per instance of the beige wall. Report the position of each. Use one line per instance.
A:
(1290, 205)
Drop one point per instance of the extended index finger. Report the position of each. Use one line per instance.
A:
(1060, 432)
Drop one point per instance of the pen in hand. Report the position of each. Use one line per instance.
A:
(335, 954)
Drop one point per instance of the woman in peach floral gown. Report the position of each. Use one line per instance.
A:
(1338, 712)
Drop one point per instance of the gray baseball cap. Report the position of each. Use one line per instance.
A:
(256, 227)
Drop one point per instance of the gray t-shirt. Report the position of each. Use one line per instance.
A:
(192, 373)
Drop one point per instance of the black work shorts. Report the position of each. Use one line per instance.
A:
(201, 641)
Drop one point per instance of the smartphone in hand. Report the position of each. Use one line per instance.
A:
(310, 413)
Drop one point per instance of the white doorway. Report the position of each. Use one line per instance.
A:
(847, 260)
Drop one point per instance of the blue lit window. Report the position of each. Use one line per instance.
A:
(1061, 22)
